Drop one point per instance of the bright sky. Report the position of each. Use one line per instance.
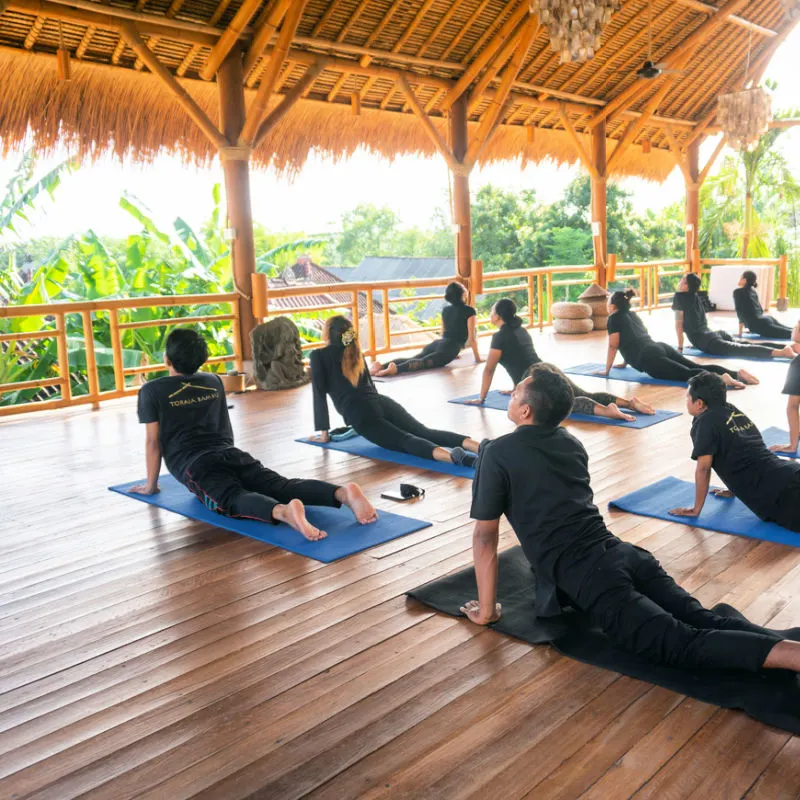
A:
(413, 187)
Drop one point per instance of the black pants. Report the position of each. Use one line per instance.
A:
(661, 361)
(235, 484)
(436, 354)
(768, 326)
(603, 398)
(721, 343)
(787, 508)
(386, 423)
(642, 610)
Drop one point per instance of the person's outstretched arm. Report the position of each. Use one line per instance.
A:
(793, 417)
(488, 375)
(485, 609)
(152, 450)
(613, 347)
(702, 480)
(679, 329)
(472, 341)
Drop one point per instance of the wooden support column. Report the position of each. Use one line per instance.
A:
(236, 167)
(692, 180)
(599, 210)
(459, 145)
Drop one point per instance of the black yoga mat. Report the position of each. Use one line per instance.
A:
(770, 696)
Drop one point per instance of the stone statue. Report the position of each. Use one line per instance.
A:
(277, 357)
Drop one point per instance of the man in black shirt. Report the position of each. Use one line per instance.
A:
(538, 477)
(187, 421)
(727, 441)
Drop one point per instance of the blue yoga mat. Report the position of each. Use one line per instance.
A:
(345, 535)
(359, 446)
(500, 402)
(693, 351)
(619, 374)
(777, 436)
(719, 514)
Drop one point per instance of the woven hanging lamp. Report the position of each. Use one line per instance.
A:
(744, 116)
(574, 26)
(791, 8)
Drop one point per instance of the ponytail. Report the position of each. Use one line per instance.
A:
(693, 282)
(751, 278)
(506, 309)
(340, 332)
(622, 300)
(454, 294)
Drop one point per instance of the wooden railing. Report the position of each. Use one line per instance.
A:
(58, 313)
(780, 264)
(646, 278)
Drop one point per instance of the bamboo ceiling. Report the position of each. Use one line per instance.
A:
(363, 50)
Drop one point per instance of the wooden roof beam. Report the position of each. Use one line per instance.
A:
(440, 26)
(586, 160)
(494, 28)
(233, 32)
(465, 27)
(489, 123)
(264, 33)
(183, 97)
(679, 154)
(710, 163)
(256, 111)
(681, 53)
(484, 57)
(706, 8)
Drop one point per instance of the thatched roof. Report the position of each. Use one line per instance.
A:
(114, 104)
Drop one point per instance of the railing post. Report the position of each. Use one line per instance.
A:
(611, 270)
(531, 318)
(696, 265)
(116, 347)
(91, 359)
(260, 292)
(236, 324)
(476, 279)
(550, 296)
(354, 311)
(63, 357)
(387, 327)
(783, 283)
(371, 323)
(540, 299)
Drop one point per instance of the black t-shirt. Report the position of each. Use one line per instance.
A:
(327, 378)
(454, 322)
(747, 304)
(516, 349)
(633, 335)
(741, 459)
(539, 478)
(695, 323)
(192, 415)
(792, 385)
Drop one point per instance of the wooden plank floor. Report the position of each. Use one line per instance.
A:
(143, 655)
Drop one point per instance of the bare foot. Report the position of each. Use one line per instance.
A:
(375, 367)
(746, 377)
(388, 371)
(294, 515)
(782, 448)
(641, 406)
(730, 382)
(786, 352)
(350, 495)
(796, 333)
(795, 347)
(612, 412)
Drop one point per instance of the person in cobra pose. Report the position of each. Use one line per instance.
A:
(513, 349)
(750, 313)
(340, 370)
(690, 318)
(628, 335)
(458, 330)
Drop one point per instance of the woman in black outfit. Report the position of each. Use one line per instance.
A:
(628, 334)
(339, 370)
(690, 317)
(751, 314)
(458, 330)
(513, 349)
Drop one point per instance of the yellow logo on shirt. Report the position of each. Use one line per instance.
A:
(735, 427)
(208, 393)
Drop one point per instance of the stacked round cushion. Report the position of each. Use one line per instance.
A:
(597, 297)
(572, 317)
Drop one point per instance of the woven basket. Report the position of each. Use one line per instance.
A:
(597, 297)
(600, 322)
(573, 325)
(571, 311)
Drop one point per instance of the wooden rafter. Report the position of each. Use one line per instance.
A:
(116, 56)
(489, 122)
(676, 56)
(289, 99)
(440, 26)
(265, 30)
(735, 19)
(430, 128)
(465, 27)
(174, 7)
(485, 56)
(186, 101)
(33, 33)
(710, 163)
(585, 158)
(322, 21)
(678, 153)
(194, 50)
(259, 105)
(86, 40)
(493, 30)
(241, 19)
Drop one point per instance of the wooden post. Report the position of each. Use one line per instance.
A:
(387, 325)
(461, 208)
(611, 270)
(236, 167)
(477, 278)
(783, 283)
(540, 300)
(692, 181)
(91, 360)
(598, 204)
(116, 347)
(260, 287)
(371, 323)
(63, 358)
(531, 316)
(696, 265)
